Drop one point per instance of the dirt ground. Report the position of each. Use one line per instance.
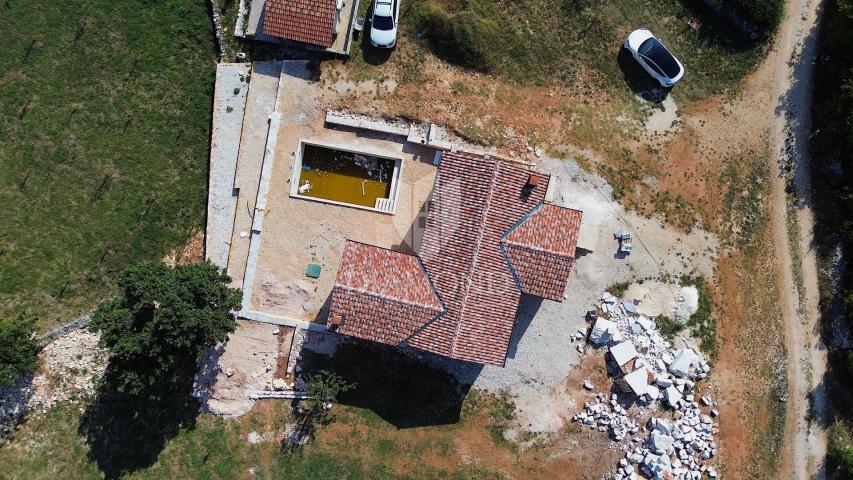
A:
(245, 363)
(675, 163)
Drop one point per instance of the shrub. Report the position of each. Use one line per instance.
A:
(18, 348)
(467, 37)
(618, 289)
(766, 14)
(667, 327)
(840, 455)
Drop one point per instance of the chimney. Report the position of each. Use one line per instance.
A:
(532, 182)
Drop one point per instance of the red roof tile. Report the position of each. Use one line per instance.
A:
(381, 295)
(479, 220)
(307, 21)
(476, 200)
(541, 250)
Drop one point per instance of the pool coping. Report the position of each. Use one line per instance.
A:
(395, 176)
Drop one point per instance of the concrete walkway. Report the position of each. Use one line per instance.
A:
(228, 109)
(263, 92)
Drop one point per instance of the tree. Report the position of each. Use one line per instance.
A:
(18, 348)
(323, 387)
(159, 326)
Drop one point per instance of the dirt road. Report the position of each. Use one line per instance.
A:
(793, 59)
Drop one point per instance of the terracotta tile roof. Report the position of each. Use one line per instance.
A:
(381, 295)
(479, 220)
(476, 200)
(307, 21)
(541, 250)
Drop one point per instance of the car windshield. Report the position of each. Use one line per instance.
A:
(654, 51)
(382, 23)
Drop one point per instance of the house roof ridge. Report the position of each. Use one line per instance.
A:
(440, 308)
(480, 230)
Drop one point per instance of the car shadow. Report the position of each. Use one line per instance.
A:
(370, 54)
(638, 80)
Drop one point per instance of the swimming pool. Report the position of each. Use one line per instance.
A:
(344, 176)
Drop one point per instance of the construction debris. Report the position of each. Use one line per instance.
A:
(651, 370)
(624, 237)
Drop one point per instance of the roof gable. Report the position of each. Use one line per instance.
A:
(381, 295)
(541, 249)
(395, 276)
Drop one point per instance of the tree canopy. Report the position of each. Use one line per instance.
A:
(18, 348)
(162, 321)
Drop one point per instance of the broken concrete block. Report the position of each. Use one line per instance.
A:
(278, 384)
(683, 362)
(673, 396)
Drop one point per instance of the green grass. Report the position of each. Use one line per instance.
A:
(704, 326)
(48, 447)
(618, 289)
(547, 41)
(745, 180)
(104, 134)
(667, 327)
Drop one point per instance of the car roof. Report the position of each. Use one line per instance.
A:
(383, 8)
(654, 50)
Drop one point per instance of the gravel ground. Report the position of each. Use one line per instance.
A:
(541, 353)
(244, 364)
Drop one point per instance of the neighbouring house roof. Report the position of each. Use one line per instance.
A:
(381, 295)
(306, 21)
(478, 209)
(541, 249)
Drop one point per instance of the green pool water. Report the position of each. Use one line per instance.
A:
(345, 177)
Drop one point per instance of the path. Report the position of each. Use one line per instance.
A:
(805, 439)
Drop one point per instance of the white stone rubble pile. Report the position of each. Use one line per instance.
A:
(69, 366)
(676, 448)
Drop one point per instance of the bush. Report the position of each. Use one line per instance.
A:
(462, 38)
(618, 289)
(840, 455)
(18, 348)
(667, 327)
(766, 14)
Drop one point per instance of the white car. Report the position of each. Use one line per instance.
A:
(383, 23)
(654, 57)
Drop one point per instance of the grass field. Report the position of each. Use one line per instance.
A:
(563, 42)
(358, 445)
(104, 134)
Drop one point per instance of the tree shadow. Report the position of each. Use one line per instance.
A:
(404, 390)
(724, 27)
(14, 405)
(126, 433)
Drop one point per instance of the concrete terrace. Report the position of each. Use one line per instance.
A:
(274, 236)
(224, 147)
